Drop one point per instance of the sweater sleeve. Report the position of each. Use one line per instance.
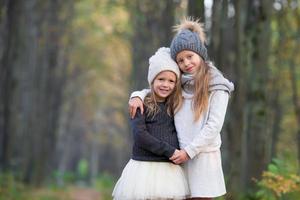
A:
(147, 141)
(141, 94)
(213, 125)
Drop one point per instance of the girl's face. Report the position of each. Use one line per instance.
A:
(163, 85)
(188, 61)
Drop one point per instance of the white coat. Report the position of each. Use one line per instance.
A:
(202, 140)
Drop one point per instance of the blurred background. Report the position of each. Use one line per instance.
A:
(67, 69)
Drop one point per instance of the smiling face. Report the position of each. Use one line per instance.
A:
(163, 85)
(188, 61)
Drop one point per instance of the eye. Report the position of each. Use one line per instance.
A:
(179, 61)
(189, 56)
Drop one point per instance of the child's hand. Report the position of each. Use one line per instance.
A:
(134, 104)
(176, 152)
(179, 156)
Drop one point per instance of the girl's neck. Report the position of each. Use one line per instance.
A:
(159, 99)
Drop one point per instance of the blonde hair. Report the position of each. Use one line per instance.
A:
(202, 79)
(173, 101)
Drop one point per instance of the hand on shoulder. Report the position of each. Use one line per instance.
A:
(133, 104)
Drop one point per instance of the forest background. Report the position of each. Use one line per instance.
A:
(67, 69)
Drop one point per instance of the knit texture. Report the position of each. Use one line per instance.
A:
(155, 138)
(188, 40)
(161, 61)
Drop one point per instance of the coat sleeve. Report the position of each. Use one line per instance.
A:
(213, 125)
(141, 94)
(147, 141)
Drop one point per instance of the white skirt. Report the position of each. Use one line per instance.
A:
(205, 175)
(143, 180)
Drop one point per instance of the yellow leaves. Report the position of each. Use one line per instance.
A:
(98, 15)
(280, 184)
(285, 25)
(280, 181)
(114, 22)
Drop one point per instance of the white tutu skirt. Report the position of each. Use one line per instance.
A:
(143, 180)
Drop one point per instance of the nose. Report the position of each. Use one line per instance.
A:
(186, 62)
(165, 83)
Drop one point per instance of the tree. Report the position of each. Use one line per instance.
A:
(257, 32)
(196, 9)
(152, 29)
(33, 76)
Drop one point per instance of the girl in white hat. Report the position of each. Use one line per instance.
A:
(150, 174)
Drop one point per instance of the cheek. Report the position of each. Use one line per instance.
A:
(155, 83)
(181, 67)
(200, 61)
(172, 86)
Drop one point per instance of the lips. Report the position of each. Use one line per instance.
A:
(164, 91)
(189, 69)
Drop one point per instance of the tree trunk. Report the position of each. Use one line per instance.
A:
(296, 100)
(152, 29)
(5, 83)
(215, 31)
(196, 9)
(33, 66)
(256, 130)
(236, 122)
(277, 118)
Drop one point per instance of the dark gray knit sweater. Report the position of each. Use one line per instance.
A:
(155, 138)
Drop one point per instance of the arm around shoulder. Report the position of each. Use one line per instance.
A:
(141, 94)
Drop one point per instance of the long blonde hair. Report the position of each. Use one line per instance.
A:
(202, 79)
(173, 101)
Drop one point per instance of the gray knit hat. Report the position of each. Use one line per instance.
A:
(190, 36)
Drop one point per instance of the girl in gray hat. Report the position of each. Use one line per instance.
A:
(150, 174)
(200, 119)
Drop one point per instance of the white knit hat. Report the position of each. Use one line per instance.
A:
(161, 61)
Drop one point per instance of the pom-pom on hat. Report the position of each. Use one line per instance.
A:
(190, 36)
(161, 61)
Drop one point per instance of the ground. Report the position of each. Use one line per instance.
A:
(84, 194)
